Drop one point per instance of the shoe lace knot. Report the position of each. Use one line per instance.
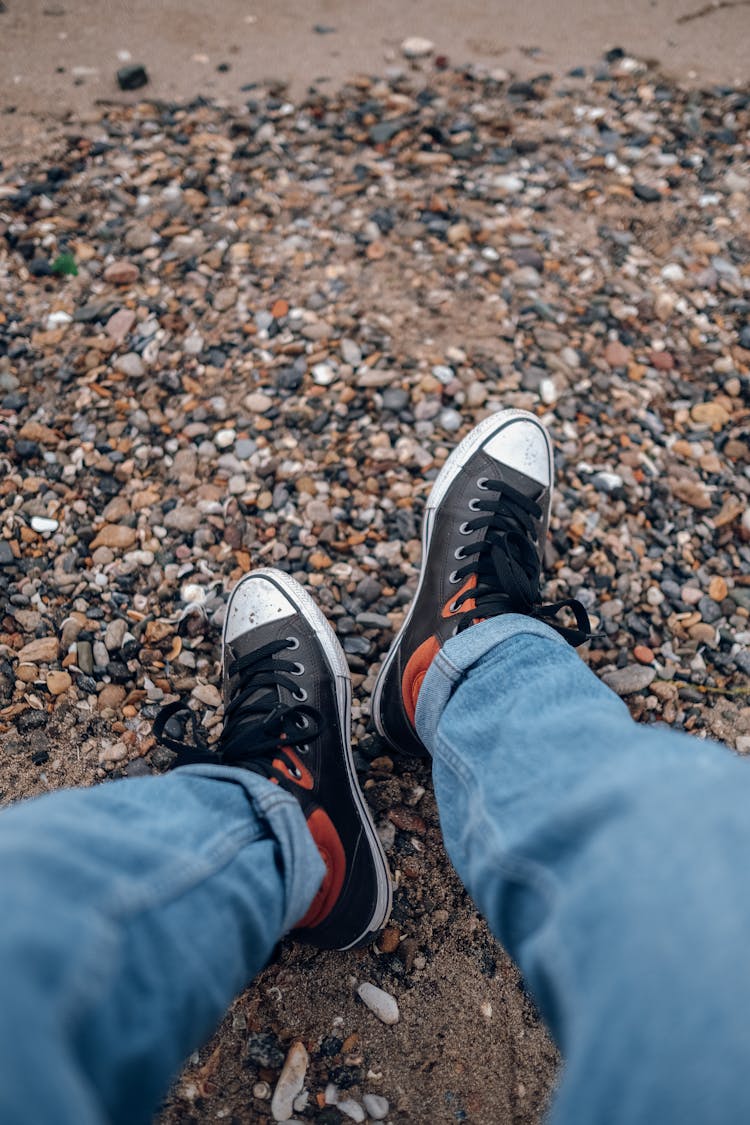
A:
(503, 564)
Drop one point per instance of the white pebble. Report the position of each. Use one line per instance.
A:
(58, 319)
(415, 47)
(290, 1083)
(381, 1003)
(351, 1109)
(323, 375)
(548, 391)
(43, 524)
(376, 1106)
(224, 438)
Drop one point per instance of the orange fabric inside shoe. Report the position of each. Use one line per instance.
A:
(332, 853)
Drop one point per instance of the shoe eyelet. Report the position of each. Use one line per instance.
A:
(300, 695)
(459, 553)
(474, 504)
(302, 722)
(292, 643)
(454, 607)
(453, 578)
(464, 529)
(298, 670)
(482, 483)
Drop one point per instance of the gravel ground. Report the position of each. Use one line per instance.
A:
(233, 338)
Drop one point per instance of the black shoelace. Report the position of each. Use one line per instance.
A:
(256, 724)
(506, 565)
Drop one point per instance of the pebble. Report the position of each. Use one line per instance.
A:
(376, 1106)
(290, 1083)
(130, 364)
(58, 682)
(44, 650)
(132, 77)
(380, 1002)
(121, 273)
(207, 694)
(415, 47)
(44, 525)
(630, 679)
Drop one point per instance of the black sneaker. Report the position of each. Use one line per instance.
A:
(482, 546)
(287, 695)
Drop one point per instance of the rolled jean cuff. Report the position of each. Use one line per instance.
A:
(302, 868)
(462, 652)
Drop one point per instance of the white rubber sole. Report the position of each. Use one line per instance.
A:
(463, 452)
(337, 664)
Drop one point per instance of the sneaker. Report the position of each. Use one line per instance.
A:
(287, 694)
(482, 546)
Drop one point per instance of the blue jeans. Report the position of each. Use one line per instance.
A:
(612, 861)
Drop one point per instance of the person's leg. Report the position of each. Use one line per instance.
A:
(612, 860)
(133, 913)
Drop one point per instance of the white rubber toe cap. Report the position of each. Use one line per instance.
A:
(256, 600)
(524, 446)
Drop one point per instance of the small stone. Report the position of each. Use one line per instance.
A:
(381, 1003)
(617, 354)
(131, 365)
(183, 518)
(717, 589)
(415, 47)
(643, 654)
(132, 77)
(377, 1107)
(607, 482)
(350, 352)
(41, 651)
(351, 1109)
(111, 697)
(109, 754)
(121, 273)
(692, 493)
(630, 679)
(290, 1083)
(388, 940)
(117, 536)
(119, 324)
(646, 193)
(225, 298)
(43, 525)
(207, 694)
(193, 344)
(58, 682)
(548, 391)
(450, 420)
(710, 413)
(258, 403)
(224, 438)
(323, 375)
(115, 634)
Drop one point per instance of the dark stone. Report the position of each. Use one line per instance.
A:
(331, 1046)
(263, 1049)
(40, 267)
(139, 767)
(745, 336)
(357, 646)
(132, 77)
(31, 720)
(345, 1076)
(7, 558)
(614, 54)
(646, 193)
(39, 757)
(118, 672)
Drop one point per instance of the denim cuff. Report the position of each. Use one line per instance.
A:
(459, 654)
(278, 814)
